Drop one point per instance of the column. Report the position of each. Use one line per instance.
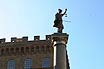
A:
(59, 42)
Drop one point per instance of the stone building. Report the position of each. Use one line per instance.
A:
(22, 53)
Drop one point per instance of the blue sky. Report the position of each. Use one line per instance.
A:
(35, 17)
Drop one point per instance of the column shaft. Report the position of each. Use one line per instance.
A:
(60, 56)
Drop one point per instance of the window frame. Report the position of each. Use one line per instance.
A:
(27, 63)
(46, 62)
(11, 64)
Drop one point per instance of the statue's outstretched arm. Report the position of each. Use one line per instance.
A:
(64, 12)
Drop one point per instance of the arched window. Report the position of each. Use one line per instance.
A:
(28, 64)
(11, 64)
(42, 48)
(37, 48)
(2, 52)
(7, 50)
(48, 48)
(17, 50)
(22, 49)
(27, 49)
(32, 49)
(46, 62)
(12, 50)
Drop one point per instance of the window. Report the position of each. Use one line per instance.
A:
(37, 48)
(12, 50)
(48, 48)
(32, 49)
(11, 64)
(7, 51)
(17, 50)
(42, 48)
(27, 49)
(28, 64)
(2, 52)
(22, 49)
(46, 62)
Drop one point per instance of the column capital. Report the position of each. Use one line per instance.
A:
(59, 38)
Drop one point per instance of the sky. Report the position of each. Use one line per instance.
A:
(20, 18)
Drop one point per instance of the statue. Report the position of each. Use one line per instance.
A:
(58, 20)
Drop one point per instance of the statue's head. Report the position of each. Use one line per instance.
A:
(59, 10)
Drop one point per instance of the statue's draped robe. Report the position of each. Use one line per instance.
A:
(58, 21)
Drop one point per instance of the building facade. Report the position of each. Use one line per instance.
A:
(21, 53)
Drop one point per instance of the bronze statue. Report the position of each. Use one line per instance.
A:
(58, 20)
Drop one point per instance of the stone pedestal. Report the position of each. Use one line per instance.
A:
(59, 42)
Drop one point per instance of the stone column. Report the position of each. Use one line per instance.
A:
(59, 42)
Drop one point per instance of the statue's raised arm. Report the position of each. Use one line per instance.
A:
(64, 12)
(58, 20)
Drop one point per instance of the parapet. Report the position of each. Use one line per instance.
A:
(25, 39)
(2, 40)
(48, 37)
(36, 37)
(15, 39)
